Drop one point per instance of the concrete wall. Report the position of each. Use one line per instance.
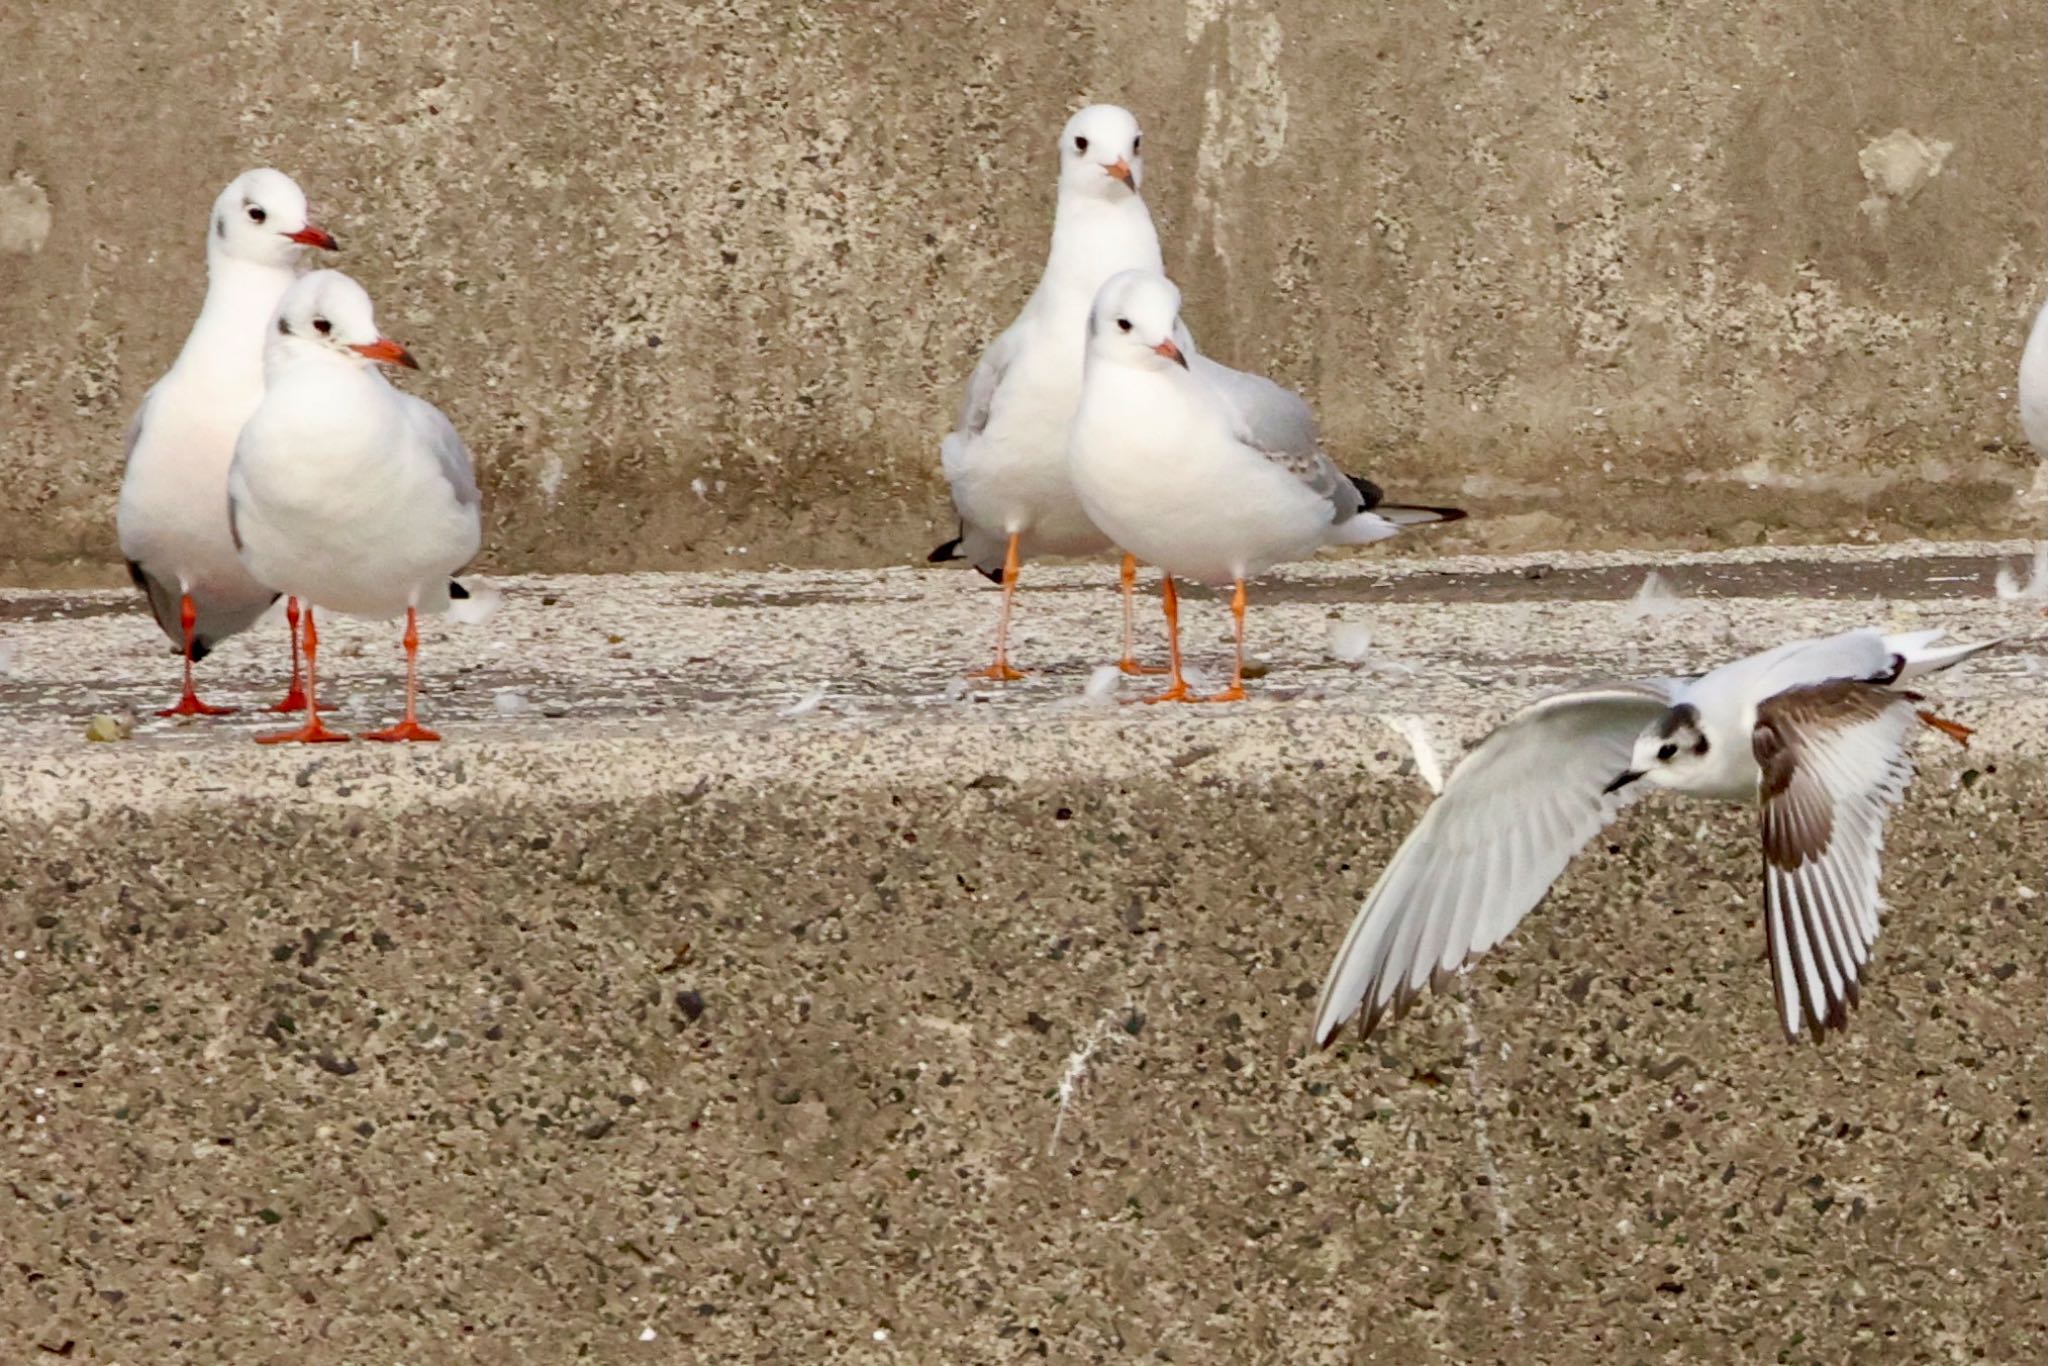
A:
(540, 1078)
(1671, 263)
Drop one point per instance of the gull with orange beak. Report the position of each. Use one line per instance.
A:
(1006, 458)
(172, 514)
(1210, 473)
(352, 494)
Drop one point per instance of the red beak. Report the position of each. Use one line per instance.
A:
(310, 236)
(1121, 169)
(1172, 353)
(387, 351)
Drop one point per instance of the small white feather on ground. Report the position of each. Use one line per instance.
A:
(804, 705)
(1416, 733)
(1654, 599)
(1349, 642)
(1100, 690)
(2011, 587)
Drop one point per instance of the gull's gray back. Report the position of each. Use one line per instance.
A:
(438, 434)
(1278, 423)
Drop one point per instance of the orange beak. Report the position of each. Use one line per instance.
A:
(1172, 353)
(310, 236)
(1121, 169)
(388, 352)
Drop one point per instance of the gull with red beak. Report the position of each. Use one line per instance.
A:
(1210, 473)
(172, 513)
(351, 494)
(1006, 458)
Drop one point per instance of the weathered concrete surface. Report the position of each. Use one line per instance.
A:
(670, 1014)
(701, 281)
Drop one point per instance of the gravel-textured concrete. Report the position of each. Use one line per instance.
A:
(1531, 258)
(650, 1024)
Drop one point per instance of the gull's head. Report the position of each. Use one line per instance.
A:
(1099, 153)
(261, 217)
(328, 314)
(1134, 321)
(1669, 752)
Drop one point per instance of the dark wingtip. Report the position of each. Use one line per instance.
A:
(457, 591)
(949, 551)
(137, 577)
(201, 648)
(1422, 512)
(1376, 501)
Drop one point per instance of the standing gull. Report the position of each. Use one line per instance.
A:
(2034, 404)
(1815, 732)
(172, 514)
(1006, 458)
(350, 493)
(1210, 473)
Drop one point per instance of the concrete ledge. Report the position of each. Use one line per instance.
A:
(927, 1027)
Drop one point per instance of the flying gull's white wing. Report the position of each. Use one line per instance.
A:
(1514, 812)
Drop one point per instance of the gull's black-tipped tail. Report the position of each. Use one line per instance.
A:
(954, 550)
(1408, 514)
(1401, 514)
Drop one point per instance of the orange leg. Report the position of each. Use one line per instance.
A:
(409, 728)
(295, 699)
(313, 732)
(1129, 663)
(1235, 692)
(188, 702)
(1000, 671)
(1954, 730)
(1177, 690)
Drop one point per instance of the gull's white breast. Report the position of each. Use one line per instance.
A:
(1157, 467)
(337, 500)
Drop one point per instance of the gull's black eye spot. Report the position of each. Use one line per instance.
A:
(1666, 751)
(284, 329)
(322, 326)
(1123, 324)
(256, 214)
(1080, 144)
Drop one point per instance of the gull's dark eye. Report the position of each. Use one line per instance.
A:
(256, 214)
(1080, 144)
(1123, 324)
(1700, 745)
(322, 326)
(1666, 751)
